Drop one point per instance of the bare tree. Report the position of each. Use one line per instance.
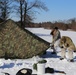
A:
(27, 9)
(5, 9)
(21, 10)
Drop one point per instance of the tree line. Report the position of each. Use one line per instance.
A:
(69, 24)
(26, 9)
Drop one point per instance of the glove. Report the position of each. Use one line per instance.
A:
(51, 45)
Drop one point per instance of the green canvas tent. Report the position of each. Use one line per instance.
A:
(19, 43)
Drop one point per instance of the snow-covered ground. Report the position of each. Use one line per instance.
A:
(12, 66)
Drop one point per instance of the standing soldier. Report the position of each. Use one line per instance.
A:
(55, 39)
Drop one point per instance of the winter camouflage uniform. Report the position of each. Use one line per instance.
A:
(66, 43)
(55, 38)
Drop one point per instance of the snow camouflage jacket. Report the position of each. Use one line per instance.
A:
(56, 35)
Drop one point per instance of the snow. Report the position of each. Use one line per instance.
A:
(53, 61)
